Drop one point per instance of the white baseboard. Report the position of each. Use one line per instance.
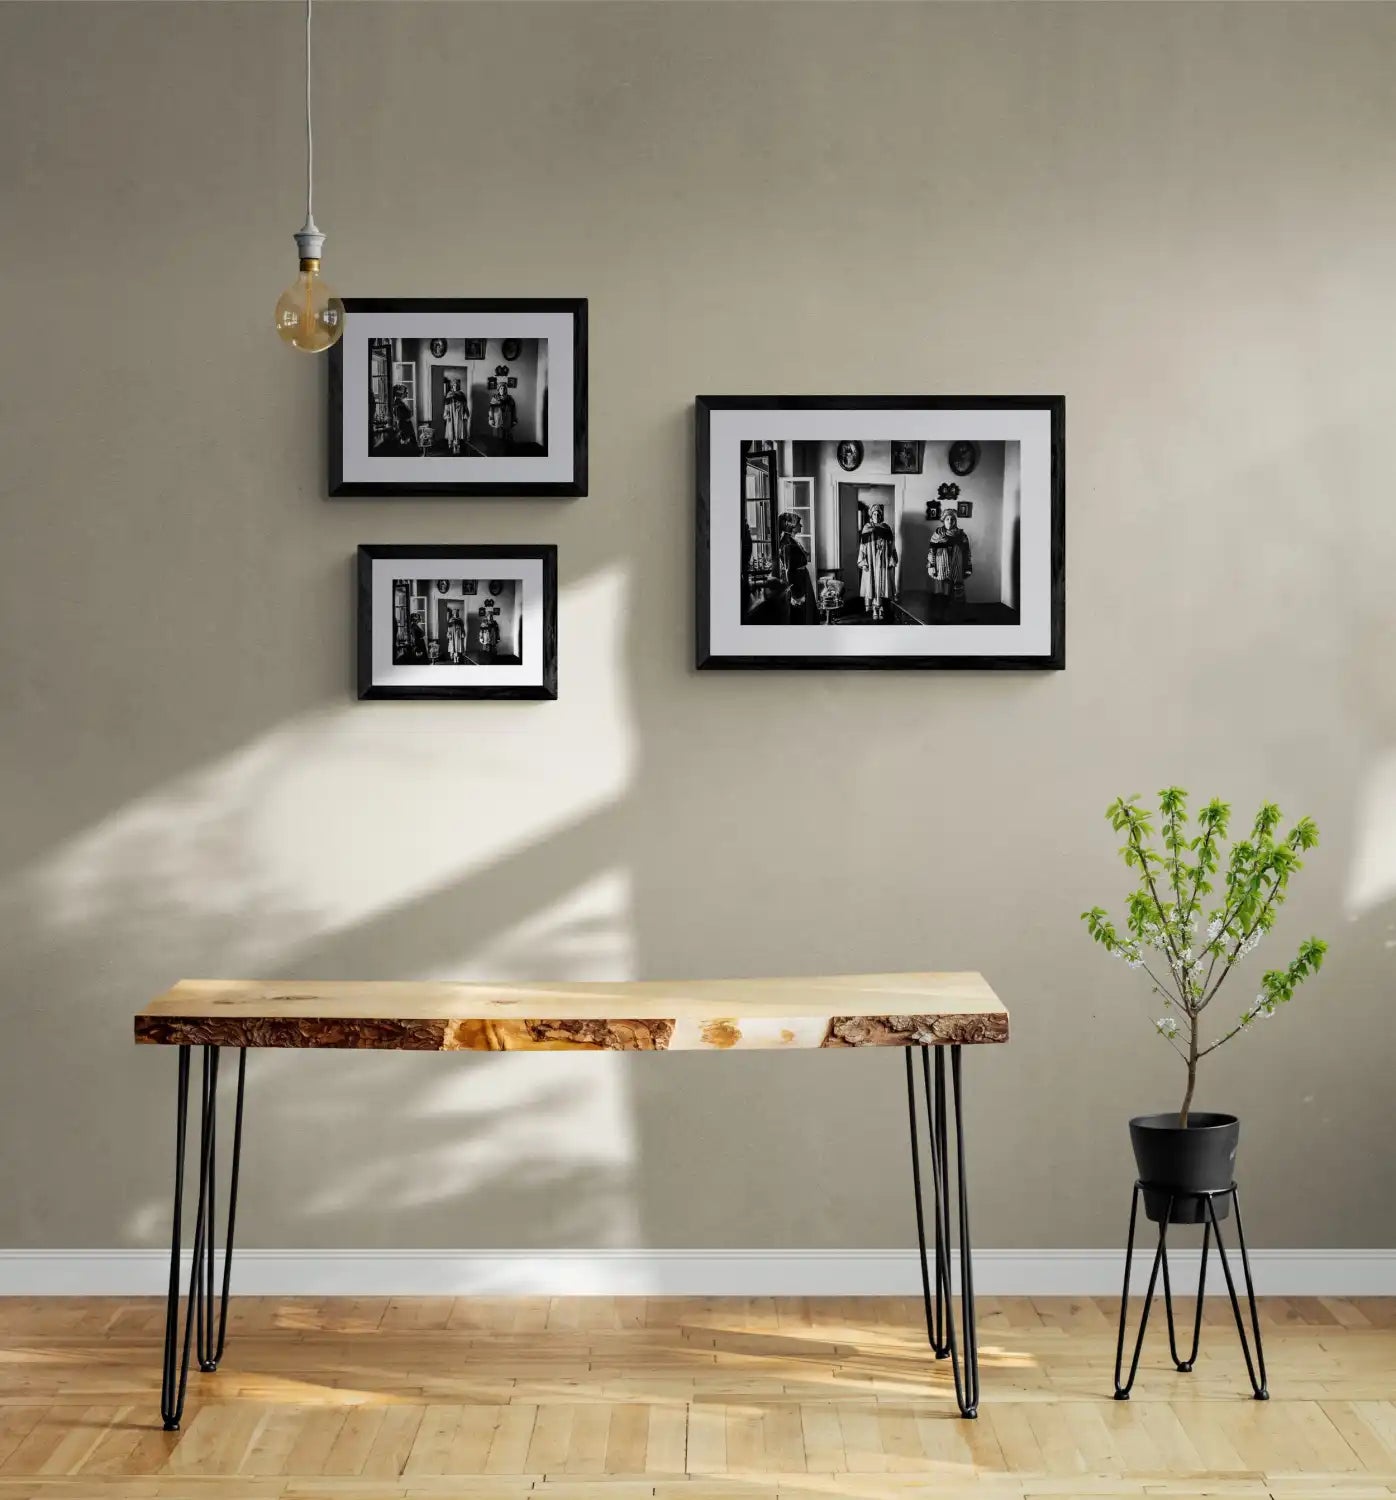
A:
(707, 1273)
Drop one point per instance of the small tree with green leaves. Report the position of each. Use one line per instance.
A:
(1176, 863)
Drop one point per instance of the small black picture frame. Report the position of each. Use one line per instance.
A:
(907, 456)
(388, 666)
(392, 432)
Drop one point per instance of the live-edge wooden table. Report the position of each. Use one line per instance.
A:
(929, 1013)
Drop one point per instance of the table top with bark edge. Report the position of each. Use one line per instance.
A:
(846, 1010)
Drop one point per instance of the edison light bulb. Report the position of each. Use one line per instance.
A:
(309, 313)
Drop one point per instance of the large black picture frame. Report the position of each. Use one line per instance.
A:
(461, 307)
(708, 658)
(484, 554)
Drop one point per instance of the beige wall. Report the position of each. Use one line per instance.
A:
(1181, 216)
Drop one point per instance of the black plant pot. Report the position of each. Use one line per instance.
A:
(1175, 1160)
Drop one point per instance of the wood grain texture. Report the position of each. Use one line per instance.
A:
(599, 1398)
(869, 1010)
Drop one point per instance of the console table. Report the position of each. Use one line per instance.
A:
(927, 1013)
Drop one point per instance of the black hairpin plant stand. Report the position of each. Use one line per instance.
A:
(940, 1313)
(1205, 1200)
(202, 1325)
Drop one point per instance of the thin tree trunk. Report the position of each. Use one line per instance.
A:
(1192, 1073)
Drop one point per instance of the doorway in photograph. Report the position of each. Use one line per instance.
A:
(856, 505)
(450, 388)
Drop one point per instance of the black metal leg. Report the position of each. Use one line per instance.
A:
(232, 1207)
(969, 1407)
(170, 1408)
(932, 1317)
(1185, 1365)
(937, 1297)
(936, 1114)
(175, 1381)
(1211, 1231)
(203, 1321)
(963, 1353)
(1122, 1391)
(200, 1327)
(1259, 1383)
(930, 1288)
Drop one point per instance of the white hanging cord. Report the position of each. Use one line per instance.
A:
(309, 241)
(309, 134)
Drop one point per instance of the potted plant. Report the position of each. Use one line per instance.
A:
(1178, 865)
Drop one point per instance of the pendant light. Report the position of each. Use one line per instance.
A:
(309, 314)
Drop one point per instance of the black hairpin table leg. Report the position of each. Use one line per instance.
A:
(930, 1280)
(200, 1324)
(963, 1353)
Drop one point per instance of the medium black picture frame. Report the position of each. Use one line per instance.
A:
(575, 485)
(707, 658)
(484, 554)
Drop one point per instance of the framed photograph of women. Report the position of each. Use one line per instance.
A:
(457, 621)
(459, 396)
(944, 546)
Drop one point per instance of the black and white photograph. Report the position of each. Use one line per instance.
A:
(453, 398)
(938, 549)
(452, 622)
(459, 397)
(488, 631)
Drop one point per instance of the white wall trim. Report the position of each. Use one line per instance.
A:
(713, 1273)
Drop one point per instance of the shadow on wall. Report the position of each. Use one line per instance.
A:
(403, 840)
(346, 843)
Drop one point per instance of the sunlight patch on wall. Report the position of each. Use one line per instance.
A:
(550, 1138)
(546, 1140)
(422, 840)
(587, 934)
(356, 809)
(1372, 879)
(522, 1126)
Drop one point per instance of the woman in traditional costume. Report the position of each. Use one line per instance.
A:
(457, 417)
(948, 565)
(488, 631)
(402, 420)
(503, 413)
(877, 563)
(455, 635)
(794, 568)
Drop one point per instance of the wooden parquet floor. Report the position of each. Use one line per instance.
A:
(685, 1399)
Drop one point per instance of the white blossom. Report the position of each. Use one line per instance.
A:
(1264, 1006)
(1166, 1026)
